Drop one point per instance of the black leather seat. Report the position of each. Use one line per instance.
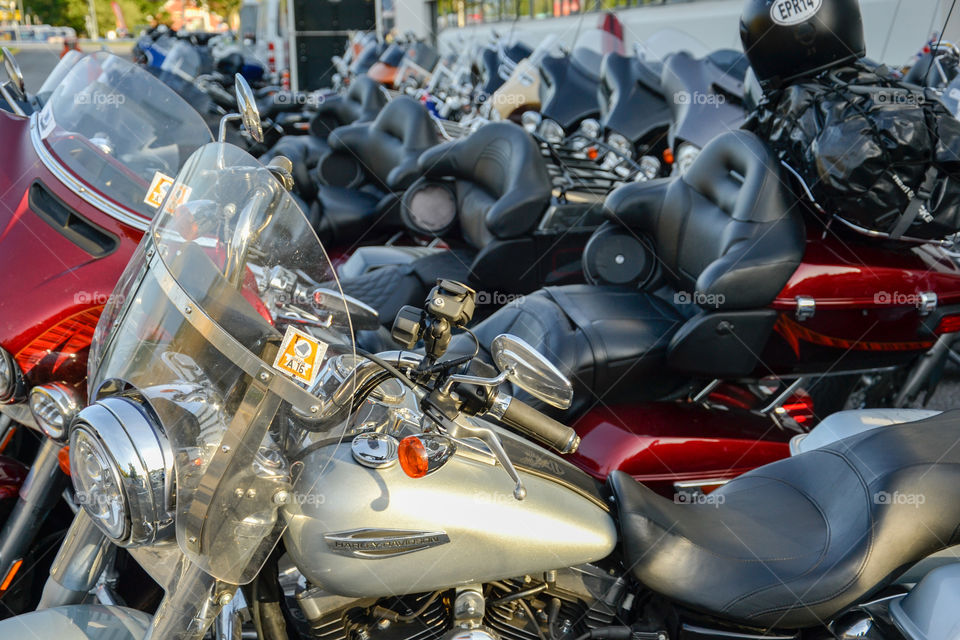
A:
(793, 543)
(385, 154)
(502, 189)
(362, 102)
(724, 235)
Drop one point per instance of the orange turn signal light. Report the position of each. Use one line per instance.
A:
(668, 155)
(11, 574)
(63, 459)
(592, 153)
(413, 457)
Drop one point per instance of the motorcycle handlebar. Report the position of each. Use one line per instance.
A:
(522, 417)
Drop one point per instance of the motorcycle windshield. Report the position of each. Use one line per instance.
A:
(67, 62)
(116, 127)
(230, 322)
(183, 60)
(591, 46)
(667, 41)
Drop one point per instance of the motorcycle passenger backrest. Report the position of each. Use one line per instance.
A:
(388, 147)
(725, 232)
(500, 179)
(363, 101)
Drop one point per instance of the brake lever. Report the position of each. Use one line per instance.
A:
(461, 430)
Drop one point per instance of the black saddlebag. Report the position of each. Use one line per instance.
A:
(877, 152)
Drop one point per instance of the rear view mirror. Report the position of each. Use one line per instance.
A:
(531, 371)
(14, 73)
(247, 105)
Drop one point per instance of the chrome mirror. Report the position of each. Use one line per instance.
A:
(531, 371)
(14, 72)
(247, 105)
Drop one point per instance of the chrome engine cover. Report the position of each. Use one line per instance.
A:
(366, 532)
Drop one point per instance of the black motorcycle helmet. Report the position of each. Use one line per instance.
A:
(787, 39)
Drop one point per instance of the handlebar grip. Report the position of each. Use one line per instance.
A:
(528, 421)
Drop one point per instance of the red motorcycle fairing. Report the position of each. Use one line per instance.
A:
(56, 280)
(12, 475)
(868, 297)
(662, 443)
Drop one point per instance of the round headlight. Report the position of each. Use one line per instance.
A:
(96, 480)
(11, 380)
(686, 154)
(53, 407)
(590, 128)
(551, 131)
(531, 120)
(649, 168)
(121, 467)
(623, 146)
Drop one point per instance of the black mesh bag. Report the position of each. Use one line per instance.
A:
(879, 153)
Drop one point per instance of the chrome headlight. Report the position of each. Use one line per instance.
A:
(621, 145)
(121, 467)
(531, 120)
(649, 168)
(54, 406)
(551, 131)
(590, 128)
(11, 379)
(686, 154)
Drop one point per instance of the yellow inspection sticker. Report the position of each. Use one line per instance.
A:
(300, 356)
(158, 189)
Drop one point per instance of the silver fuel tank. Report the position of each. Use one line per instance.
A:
(366, 532)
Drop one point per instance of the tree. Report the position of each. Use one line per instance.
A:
(73, 13)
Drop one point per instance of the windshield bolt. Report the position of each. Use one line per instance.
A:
(192, 540)
(281, 497)
(238, 493)
(188, 309)
(225, 448)
(264, 376)
(251, 493)
(224, 599)
(315, 408)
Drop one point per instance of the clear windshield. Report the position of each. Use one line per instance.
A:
(66, 63)
(667, 41)
(230, 321)
(592, 45)
(116, 127)
(183, 60)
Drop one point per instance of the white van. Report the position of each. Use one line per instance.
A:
(273, 33)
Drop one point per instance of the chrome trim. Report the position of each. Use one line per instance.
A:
(83, 191)
(65, 400)
(927, 303)
(136, 446)
(382, 543)
(375, 450)
(806, 308)
(500, 405)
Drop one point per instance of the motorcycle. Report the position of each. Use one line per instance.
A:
(227, 415)
(80, 184)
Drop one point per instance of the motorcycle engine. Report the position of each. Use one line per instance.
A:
(561, 605)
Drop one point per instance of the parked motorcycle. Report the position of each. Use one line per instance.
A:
(85, 180)
(227, 415)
